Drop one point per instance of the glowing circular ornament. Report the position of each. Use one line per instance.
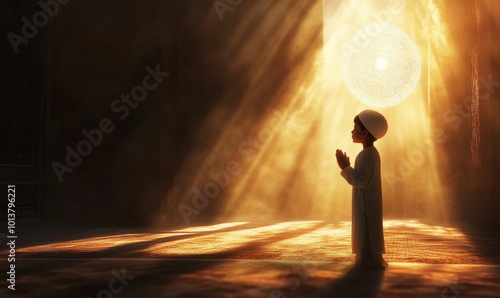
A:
(381, 65)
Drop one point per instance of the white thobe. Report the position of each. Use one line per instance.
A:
(366, 182)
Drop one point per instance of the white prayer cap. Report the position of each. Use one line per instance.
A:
(374, 122)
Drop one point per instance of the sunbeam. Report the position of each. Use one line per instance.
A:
(273, 158)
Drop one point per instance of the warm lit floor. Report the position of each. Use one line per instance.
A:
(242, 259)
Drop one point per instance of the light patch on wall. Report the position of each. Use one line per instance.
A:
(381, 65)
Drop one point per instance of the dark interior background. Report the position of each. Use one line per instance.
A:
(66, 77)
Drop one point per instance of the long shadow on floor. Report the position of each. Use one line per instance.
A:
(358, 282)
(163, 270)
(486, 243)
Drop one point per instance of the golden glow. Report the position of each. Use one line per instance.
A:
(106, 242)
(284, 149)
(221, 242)
(411, 178)
(406, 241)
(216, 227)
(94, 244)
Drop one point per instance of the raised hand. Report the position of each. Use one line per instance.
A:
(342, 159)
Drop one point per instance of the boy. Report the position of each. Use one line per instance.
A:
(365, 178)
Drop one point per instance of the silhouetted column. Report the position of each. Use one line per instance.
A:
(479, 113)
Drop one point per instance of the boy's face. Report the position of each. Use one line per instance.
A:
(358, 135)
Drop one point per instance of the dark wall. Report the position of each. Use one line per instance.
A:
(468, 161)
(22, 101)
(495, 120)
(99, 50)
(482, 205)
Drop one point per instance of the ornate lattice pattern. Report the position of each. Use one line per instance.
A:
(381, 65)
